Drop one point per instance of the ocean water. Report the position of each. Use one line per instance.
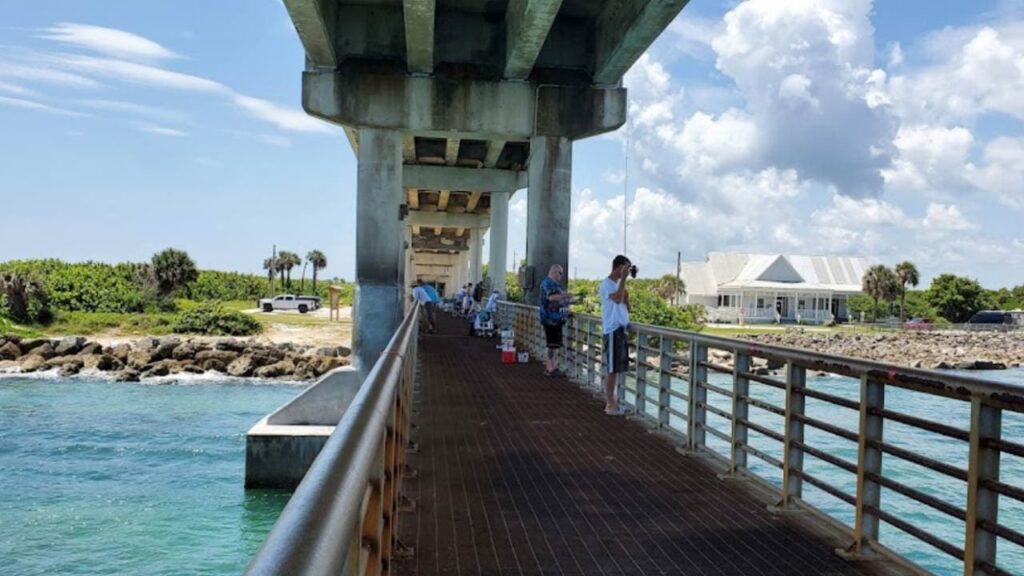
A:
(946, 450)
(110, 478)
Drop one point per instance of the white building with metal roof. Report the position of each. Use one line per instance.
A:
(757, 288)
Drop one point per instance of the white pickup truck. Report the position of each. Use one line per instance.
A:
(290, 302)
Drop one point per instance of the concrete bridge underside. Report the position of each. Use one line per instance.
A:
(451, 106)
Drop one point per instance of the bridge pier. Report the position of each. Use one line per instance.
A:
(380, 248)
(498, 262)
(549, 208)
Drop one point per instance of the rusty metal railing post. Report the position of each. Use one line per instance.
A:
(665, 384)
(697, 414)
(982, 503)
(793, 456)
(869, 464)
(641, 374)
(740, 412)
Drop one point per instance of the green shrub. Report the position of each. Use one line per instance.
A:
(212, 318)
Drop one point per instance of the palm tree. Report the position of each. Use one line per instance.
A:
(270, 265)
(20, 290)
(906, 274)
(874, 285)
(668, 287)
(287, 261)
(319, 262)
(172, 269)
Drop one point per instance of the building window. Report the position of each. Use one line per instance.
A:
(801, 304)
(760, 302)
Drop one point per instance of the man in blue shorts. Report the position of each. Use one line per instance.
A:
(554, 304)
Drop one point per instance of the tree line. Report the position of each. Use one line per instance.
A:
(949, 297)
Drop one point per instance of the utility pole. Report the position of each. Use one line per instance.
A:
(679, 270)
(625, 196)
(273, 269)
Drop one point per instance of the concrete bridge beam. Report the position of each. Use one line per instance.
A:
(624, 30)
(419, 35)
(548, 208)
(449, 219)
(380, 250)
(446, 178)
(527, 23)
(430, 106)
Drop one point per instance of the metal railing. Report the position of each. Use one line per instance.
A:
(343, 517)
(669, 386)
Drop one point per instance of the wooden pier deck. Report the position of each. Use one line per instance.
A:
(522, 474)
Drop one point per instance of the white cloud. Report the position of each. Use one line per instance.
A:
(284, 118)
(847, 211)
(108, 41)
(929, 157)
(138, 73)
(895, 55)
(134, 108)
(1003, 172)
(943, 218)
(159, 130)
(15, 89)
(37, 107)
(41, 72)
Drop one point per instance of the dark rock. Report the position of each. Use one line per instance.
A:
(331, 352)
(127, 375)
(224, 356)
(166, 348)
(276, 370)
(10, 351)
(69, 345)
(10, 338)
(69, 370)
(192, 369)
(776, 364)
(30, 345)
(942, 365)
(230, 345)
(101, 362)
(185, 351)
(215, 365)
(90, 349)
(46, 351)
(32, 362)
(344, 351)
(242, 367)
(156, 369)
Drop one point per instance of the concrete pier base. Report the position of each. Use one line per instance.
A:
(280, 448)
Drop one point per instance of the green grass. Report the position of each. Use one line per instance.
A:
(87, 323)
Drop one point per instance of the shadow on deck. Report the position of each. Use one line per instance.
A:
(522, 474)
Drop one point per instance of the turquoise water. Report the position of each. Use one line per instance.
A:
(949, 451)
(105, 478)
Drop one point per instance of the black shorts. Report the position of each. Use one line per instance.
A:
(553, 334)
(616, 352)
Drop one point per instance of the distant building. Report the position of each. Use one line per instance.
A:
(760, 288)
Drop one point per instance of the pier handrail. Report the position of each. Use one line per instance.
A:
(343, 517)
(662, 355)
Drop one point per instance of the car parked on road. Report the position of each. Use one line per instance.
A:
(918, 324)
(289, 302)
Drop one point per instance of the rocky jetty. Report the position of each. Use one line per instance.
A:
(926, 349)
(152, 357)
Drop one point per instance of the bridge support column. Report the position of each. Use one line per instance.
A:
(548, 208)
(377, 310)
(498, 261)
(475, 258)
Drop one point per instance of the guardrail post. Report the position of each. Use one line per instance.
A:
(869, 462)
(740, 411)
(641, 374)
(793, 456)
(697, 416)
(591, 353)
(982, 503)
(665, 384)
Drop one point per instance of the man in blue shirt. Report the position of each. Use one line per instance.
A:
(554, 304)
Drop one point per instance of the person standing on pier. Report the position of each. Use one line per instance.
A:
(554, 302)
(614, 321)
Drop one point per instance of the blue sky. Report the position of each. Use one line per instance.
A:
(890, 130)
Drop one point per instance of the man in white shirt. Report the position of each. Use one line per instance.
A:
(615, 321)
(492, 302)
